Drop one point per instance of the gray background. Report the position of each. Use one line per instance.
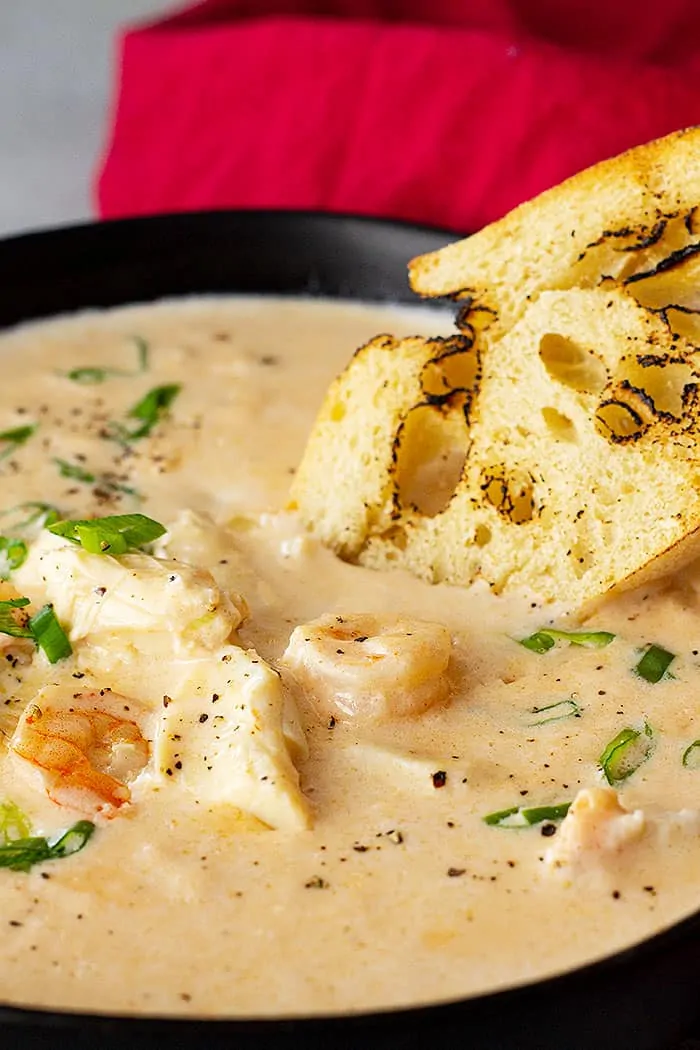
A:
(57, 67)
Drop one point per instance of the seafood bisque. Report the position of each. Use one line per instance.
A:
(240, 776)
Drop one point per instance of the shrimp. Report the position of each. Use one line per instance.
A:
(596, 827)
(372, 667)
(86, 755)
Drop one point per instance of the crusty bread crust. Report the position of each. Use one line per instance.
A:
(540, 244)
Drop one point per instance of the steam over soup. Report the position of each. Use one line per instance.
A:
(240, 776)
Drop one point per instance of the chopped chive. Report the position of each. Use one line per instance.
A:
(90, 375)
(626, 753)
(13, 438)
(526, 816)
(115, 534)
(560, 710)
(13, 554)
(691, 755)
(150, 410)
(545, 639)
(654, 664)
(21, 854)
(49, 635)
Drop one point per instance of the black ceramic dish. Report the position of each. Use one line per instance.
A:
(641, 999)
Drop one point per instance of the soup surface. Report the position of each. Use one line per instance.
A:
(214, 883)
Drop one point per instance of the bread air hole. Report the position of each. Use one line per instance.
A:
(559, 425)
(572, 365)
(664, 384)
(684, 323)
(337, 412)
(679, 285)
(621, 253)
(430, 454)
(619, 422)
(456, 371)
(482, 535)
(581, 558)
(396, 536)
(510, 492)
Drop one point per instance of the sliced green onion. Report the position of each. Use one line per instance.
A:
(561, 709)
(654, 664)
(691, 755)
(115, 534)
(91, 375)
(152, 407)
(49, 635)
(42, 514)
(13, 438)
(150, 410)
(501, 815)
(21, 854)
(539, 642)
(538, 814)
(43, 627)
(74, 471)
(13, 554)
(16, 627)
(13, 822)
(545, 639)
(526, 816)
(101, 539)
(73, 840)
(626, 753)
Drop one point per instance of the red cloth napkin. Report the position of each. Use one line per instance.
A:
(445, 112)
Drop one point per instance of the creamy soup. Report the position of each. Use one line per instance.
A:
(265, 843)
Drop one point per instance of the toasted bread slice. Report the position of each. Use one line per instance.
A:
(616, 220)
(344, 485)
(557, 451)
(563, 464)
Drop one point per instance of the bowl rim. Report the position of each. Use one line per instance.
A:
(206, 214)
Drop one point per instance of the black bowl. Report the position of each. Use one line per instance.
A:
(639, 999)
(137, 260)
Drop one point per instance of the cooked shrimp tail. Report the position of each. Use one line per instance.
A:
(86, 755)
